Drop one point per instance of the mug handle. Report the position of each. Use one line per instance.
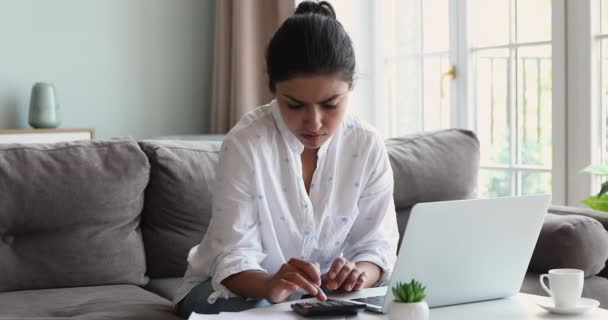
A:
(542, 283)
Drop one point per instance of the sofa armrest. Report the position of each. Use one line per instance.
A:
(571, 241)
(600, 216)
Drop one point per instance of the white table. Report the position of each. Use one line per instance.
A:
(520, 307)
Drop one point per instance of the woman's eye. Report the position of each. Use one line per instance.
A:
(294, 106)
(330, 106)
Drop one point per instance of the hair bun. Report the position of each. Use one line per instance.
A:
(312, 7)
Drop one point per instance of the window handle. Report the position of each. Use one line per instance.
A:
(450, 74)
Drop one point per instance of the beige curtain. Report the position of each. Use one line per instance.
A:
(242, 31)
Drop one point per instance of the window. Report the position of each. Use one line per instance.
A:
(601, 112)
(502, 50)
(509, 86)
(415, 55)
(602, 45)
(512, 83)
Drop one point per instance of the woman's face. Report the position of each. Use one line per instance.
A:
(313, 106)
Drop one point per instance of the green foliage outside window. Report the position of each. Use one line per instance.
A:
(599, 201)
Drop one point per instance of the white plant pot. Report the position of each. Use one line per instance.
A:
(409, 311)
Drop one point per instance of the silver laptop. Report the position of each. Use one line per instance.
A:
(467, 250)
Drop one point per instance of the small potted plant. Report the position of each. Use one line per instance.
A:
(409, 302)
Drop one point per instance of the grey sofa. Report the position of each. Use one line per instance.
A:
(101, 229)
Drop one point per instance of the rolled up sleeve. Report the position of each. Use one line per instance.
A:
(233, 242)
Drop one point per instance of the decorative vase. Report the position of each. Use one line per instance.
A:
(44, 108)
(409, 311)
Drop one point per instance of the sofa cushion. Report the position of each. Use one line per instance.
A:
(69, 214)
(431, 166)
(403, 216)
(571, 241)
(100, 302)
(164, 287)
(434, 166)
(600, 216)
(177, 207)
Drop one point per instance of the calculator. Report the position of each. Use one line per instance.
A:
(327, 308)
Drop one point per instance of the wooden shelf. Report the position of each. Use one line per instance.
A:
(45, 135)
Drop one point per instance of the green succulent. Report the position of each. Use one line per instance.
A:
(409, 292)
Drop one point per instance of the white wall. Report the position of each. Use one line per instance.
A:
(124, 67)
(357, 18)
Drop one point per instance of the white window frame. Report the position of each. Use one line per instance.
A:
(568, 186)
(559, 125)
(600, 112)
(582, 97)
(463, 115)
(451, 56)
(465, 107)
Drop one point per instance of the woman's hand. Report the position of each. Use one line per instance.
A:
(347, 276)
(294, 274)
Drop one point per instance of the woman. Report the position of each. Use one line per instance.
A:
(303, 192)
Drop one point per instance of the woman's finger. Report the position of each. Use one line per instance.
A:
(344, 273)
(302, 282)
(336, 267)
(288, 285)
(351, 279)
(361, 281)
(281, 289)
(308, 269)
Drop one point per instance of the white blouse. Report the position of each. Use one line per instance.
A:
(262, 215)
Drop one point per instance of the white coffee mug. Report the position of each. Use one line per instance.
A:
(566, 286)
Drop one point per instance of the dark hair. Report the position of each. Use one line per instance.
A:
(311, 41)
